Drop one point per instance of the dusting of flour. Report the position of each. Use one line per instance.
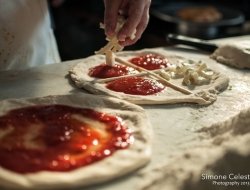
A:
(223, 150)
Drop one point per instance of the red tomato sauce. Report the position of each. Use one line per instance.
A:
(150, 61)
(51, 138)
(136, 86)
(108, 71)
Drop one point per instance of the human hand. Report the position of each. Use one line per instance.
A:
(135, 11)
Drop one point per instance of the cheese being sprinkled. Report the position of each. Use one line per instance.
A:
(113, 43)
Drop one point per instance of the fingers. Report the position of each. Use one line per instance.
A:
(110, 16)
(134, 14)
(124, 6)
(138, 16)
(139, 28)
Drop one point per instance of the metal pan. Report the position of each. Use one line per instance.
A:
(193, 42)
(167, 12)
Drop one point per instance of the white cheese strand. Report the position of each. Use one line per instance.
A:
(192, 73)
(110, 60)
(113, 43)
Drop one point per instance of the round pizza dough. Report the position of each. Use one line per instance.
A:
(119, 163)
(202, 94)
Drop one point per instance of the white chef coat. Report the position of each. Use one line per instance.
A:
(26, 36)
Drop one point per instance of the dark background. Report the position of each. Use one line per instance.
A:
(76, 26)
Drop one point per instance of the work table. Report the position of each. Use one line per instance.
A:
(174, 126)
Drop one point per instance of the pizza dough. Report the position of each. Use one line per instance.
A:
(236, 55)
(119, 163)
(202, 94)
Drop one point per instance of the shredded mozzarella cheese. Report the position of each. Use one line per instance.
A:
(192, 73)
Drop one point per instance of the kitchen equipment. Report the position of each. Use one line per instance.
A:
(167, 12)
(194, 42)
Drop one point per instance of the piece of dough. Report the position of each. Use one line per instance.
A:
(236, 55)
(119, 163)
(203, 94)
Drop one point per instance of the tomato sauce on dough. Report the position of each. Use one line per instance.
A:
(58, 138)
(150, 61)
(136, 86)
(108, 71)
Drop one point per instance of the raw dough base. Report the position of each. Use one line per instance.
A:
(236, 55)
(118, 164)
(203, 94)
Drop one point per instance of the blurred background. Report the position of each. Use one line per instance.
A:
(76, 24)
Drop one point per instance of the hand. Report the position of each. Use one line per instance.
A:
(137, 14)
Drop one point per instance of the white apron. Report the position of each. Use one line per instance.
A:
(26, 37)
